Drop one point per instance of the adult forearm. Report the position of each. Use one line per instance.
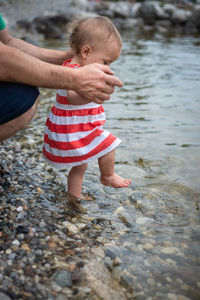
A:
(93, 82)
(48, 55)
(16, 66)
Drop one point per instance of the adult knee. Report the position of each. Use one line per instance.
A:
(26, 118)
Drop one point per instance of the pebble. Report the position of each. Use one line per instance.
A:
(25, 247)
(119, 210)
(142, 220)
(42, 224)
(110, 253)
(6, 230)
(151, 281)
(117, 261)
(12, 256)
(148, 246)
(16, 242)
(169, 250)
(8, 251)
(62, 278)
(182, 297)
(71, 227)
(19, 209)
(171, 296)
(98, 251)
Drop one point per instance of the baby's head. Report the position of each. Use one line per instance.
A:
(95, 40)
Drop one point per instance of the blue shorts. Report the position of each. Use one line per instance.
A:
(15, 100)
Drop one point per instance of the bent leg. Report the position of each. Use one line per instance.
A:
(75, 179)
(12, 127)
(17, 107)
(108, 177)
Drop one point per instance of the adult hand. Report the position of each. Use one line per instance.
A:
(95, 82)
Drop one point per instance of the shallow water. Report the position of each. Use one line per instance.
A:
(152, 226)
(156, 114)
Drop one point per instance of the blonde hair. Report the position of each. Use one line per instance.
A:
(92, 31)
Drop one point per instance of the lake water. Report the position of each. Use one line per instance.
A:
(157, 219)
(153, 227)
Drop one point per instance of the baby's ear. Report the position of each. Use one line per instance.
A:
(85, 51)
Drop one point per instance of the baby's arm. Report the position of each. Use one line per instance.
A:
(76, 99)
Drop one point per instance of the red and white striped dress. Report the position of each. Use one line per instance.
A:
(74, 134)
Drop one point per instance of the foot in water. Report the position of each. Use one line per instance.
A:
(72, 198)
(115, 181)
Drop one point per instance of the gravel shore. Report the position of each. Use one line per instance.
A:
(49, 249)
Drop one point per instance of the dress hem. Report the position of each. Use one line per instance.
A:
(98, 155)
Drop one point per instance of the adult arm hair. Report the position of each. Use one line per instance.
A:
(48, 55)
(17, 66)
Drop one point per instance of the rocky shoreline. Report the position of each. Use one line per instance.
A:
(48, 248)
(50, 20)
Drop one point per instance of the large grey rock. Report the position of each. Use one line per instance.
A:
(103, 8)
(97, 277)
(129, 23)
(148, 12)
(134, 10)
(169, 8)
(47, 28)
(160, 13)
(164, 23)
(180, 16)
(195, 16)
(121, 9)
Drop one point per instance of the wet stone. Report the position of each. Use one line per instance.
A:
(99, 279)
(22, 229)
(6, 230)
(108, 262)
(3, 264)
(16, 243)
(4, 296)
(110, 254)
(98, 251)
(63, 278)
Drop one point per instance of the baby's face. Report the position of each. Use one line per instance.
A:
(105, 54)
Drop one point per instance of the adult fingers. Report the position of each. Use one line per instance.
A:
(111, 80)
(102, 97)
(98, 101)
(106, 69)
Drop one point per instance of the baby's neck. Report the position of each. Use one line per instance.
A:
(76, 60)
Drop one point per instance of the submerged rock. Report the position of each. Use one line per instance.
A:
(99, 279)
(62, 278)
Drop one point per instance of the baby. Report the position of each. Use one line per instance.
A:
(74, 133)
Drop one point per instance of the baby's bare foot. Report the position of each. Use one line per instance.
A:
(115, 181)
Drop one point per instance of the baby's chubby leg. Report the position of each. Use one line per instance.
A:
(75, 179)
(108, 177)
